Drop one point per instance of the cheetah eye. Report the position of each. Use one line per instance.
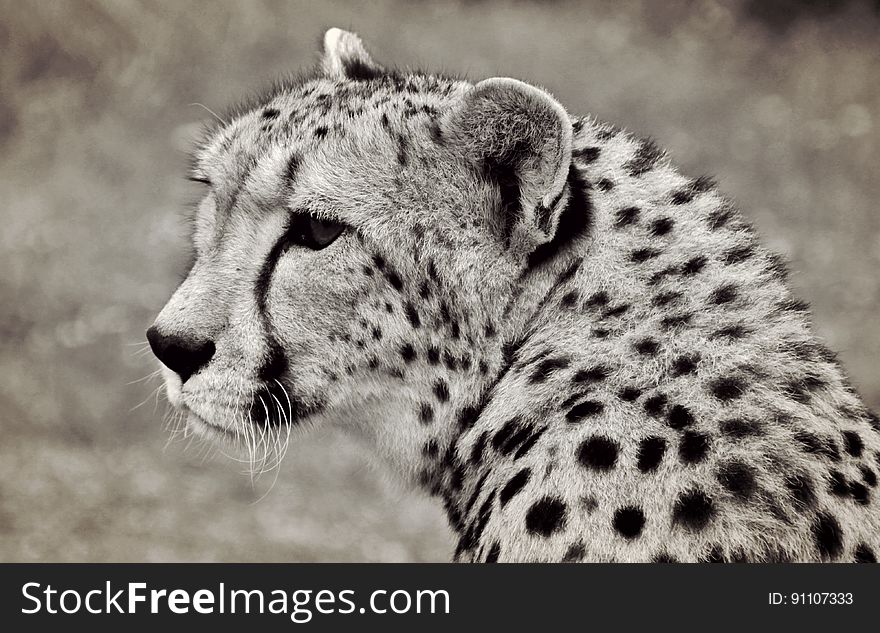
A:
(311, 232)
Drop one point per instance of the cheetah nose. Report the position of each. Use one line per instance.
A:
(181, 354)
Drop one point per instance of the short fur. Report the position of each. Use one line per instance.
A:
(585, 355)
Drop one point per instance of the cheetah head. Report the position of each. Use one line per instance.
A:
(361, 250)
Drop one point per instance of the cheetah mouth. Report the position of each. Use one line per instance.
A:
(273, 406)
(254, 428)
(270, 408)
(263, 450)
(201, 426)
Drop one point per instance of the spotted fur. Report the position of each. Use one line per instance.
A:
(582, 353)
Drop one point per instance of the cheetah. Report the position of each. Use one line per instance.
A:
(583, 354)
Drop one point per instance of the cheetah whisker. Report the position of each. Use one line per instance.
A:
(209, 111)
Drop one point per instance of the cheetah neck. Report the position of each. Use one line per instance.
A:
(457, 470)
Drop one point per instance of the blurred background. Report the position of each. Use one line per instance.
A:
(780, 99)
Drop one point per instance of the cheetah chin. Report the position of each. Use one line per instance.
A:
(533, 316)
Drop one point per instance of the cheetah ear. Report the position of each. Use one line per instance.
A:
(520, 136)
(346, 58)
